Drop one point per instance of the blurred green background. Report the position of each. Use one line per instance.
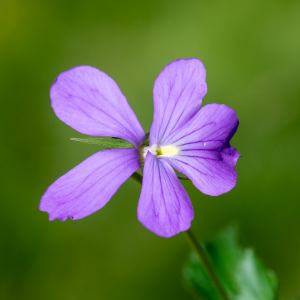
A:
(251, 53)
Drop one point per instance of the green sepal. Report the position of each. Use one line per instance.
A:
(241, 273)
(108, 143)
(146, 142)
(183, 177)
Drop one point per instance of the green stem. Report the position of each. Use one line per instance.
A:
(137, 177)
(198, 248)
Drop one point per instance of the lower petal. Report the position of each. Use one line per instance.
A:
(212, 172)
(90, 185)
(164, 205)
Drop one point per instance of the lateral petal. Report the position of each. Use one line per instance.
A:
(164, 206)
(211, 128)
(177, 95)
(211, 172)
(90, 185)
(90, 101)
(205, 155)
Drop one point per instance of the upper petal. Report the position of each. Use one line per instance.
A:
(177, 95)
(205, 155)
(90, 101)
(164, 206)
(90, 185)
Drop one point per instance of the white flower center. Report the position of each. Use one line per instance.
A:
(158, 151)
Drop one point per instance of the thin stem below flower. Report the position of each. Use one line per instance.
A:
(137, 177)
(199, 250)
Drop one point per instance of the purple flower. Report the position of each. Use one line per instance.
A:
(195, 142)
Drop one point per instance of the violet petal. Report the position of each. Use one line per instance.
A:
(177, 95)
(90, 185)
(90, 101)
(164, 206)
(205, 155)
(212, 176)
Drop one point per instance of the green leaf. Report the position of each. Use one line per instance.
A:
(196, 280)
(146, 141)
(108, 143)
(240, 272)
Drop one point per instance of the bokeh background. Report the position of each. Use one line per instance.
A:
(251, 53)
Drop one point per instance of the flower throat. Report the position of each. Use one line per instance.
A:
(163, 151)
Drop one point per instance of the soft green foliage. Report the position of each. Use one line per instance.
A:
(241, 273)
(108, 143)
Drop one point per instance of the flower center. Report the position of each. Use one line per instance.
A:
(158, 151)
(167, 151)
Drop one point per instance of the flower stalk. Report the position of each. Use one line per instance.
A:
(199, 250)
(137, 177)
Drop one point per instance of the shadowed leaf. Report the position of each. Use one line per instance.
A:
(240, 272)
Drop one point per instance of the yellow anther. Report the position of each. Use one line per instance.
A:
(167, 151)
